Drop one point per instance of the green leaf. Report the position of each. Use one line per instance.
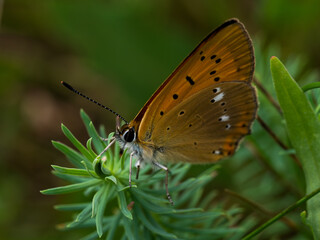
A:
(127, 224)
(110, 159)
(70, 178)
(102, 131)
(123, 159)
(84, 214)
(117, 154)
(198, 214)
(95, 201)
(73, 171)
(154, 207)
(91, 236)
(97, 166)
(101, 208)
(81, 217)
(142, 194)
(71, 188)
(153, 228)
(77, 144)
(122, 187)
(113, 227)
(112, 179)
(85, 118)
(89, 147)
(303, 129)
(98, 144)
(88, 223)
(71, 207)
(74, 157)
(123, 205)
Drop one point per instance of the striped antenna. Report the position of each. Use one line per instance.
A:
(91, 100)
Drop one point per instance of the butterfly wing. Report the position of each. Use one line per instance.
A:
(206, 126)
(225, 55)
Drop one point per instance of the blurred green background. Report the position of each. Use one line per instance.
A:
(118, 52)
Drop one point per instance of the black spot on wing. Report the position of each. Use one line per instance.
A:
(189, 79)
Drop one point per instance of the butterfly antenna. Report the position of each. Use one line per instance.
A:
(91, 100)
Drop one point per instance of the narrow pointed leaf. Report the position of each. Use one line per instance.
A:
(81, 217)
(74, 157)
(70, 188)
(77, 144)
(84, 214)
(127, 225)
(71, 207)
(72, 171)
(101, 208)
(70, 178)
(96, 200)
(99, 146)
(155, 229)
(89, 147)
(123, 205)
(112, 179)
(113, 227)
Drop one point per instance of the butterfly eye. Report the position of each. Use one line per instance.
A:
(129, 135)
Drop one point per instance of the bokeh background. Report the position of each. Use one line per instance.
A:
(118, 52)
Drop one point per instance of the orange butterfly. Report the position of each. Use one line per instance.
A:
(201, 112)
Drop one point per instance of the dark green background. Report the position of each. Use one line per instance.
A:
(118, 52)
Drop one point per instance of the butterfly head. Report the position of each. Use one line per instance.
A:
(126, 136)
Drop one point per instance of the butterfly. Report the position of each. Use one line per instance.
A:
(202, 111)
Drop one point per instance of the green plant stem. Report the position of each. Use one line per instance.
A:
(263, 159)
(281, 214)
(258, 208)
(311, 86)
(278, 141)
(267, 94)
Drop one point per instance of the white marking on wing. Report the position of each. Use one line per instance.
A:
(219, 97)
(224, 118)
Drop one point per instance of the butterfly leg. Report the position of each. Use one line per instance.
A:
(107, 147)
(106, 139)
(130, 167)
(166, 180)
(138, 168)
